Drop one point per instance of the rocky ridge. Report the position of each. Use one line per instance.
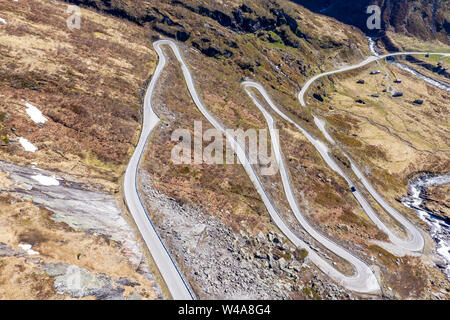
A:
(220, 264)
(78, 206)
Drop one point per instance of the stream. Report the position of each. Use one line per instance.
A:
(439, 227)
(437, 83)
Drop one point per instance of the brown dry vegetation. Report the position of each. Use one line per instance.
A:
(392, 136)
(23, 277)
(394, 139)
(87, 82)
(330, 204)
(218, 79)
(221, 190)
(438, 200)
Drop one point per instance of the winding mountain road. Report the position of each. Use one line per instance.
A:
(363, 280)
(435, 82)
(414, 240)
(166, 264)
(356, 66)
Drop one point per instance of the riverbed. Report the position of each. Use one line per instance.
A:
(439, 227)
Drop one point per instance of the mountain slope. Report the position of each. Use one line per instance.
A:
(422, 19)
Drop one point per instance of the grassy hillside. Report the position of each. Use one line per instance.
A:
(89, 83)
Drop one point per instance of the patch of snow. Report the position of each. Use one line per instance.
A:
(35, 114)
(46, 181)
(3, 21)
(27, 145)
(27, 248)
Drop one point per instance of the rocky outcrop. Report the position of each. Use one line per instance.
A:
(423, 19)
(212, 51)
(81, 208)
(74, 204)
(221, 264)
(79, 283)
(243, 20)
(8, 251)
(119, 11)
(434, 194)
(75, 281)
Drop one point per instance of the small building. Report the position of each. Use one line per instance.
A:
(374, 72)
(318, 97)
(397, 94)
(398, 81)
